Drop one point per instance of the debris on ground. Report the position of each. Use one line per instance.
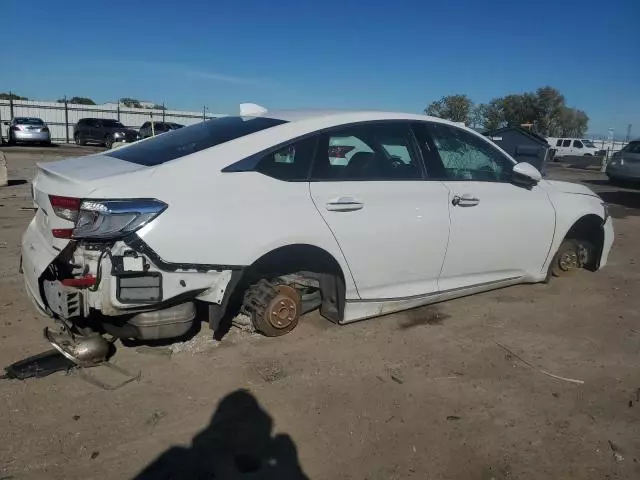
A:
(198, 344)
(615, 449)
(38, 366)
(155, 417)
(511, 354)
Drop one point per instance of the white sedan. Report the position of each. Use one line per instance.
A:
(357, 213)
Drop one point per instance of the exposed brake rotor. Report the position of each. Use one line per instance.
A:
(282, 310)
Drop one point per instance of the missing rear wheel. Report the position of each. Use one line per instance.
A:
(274, 308)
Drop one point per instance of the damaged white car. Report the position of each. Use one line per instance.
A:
(356, 213)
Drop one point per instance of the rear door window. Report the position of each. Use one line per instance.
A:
(577, 144)
(566, 143)
(188, 140)
(378, 152)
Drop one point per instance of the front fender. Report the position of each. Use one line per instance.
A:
(570, 208)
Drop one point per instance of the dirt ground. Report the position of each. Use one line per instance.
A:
(452, 391)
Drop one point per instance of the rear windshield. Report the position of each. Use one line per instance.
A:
(187, 140)
(28, 121)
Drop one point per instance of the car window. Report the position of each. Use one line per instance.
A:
(369, 152)
(566, 143)
(112, 123)
(28, 121)
(559, 143)
(145, 125)
(291, 163)
(188, 140)
(465, 156)
(577, 144)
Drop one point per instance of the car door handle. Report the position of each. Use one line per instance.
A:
(465, 200)
(344, 204)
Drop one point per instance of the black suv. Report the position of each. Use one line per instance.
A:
(102, 130)
(158, 127)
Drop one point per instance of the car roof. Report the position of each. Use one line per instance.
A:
(344, 116)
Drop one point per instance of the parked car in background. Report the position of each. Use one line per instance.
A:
(625, 164)
(104, 131)
(158, 128)
(392, 211)
(28, 130)
(566, 147)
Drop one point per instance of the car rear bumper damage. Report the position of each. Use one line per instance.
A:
(124, 290)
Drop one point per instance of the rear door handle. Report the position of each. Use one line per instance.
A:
(465, 200)
(344, 204)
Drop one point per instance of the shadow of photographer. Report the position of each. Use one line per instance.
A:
(237, 443)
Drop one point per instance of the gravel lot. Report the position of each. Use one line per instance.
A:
(430, 393)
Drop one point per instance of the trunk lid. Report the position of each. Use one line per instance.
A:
(78, 178)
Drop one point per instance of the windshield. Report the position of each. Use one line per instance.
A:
(187, 140)
(112, 123)
(588, 144)
(28, 121)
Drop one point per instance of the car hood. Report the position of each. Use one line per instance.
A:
(570, 187)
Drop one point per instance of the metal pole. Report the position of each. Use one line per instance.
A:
(204, 108)
(66, 118)
(11, 105)
(163, 109)
(153, 128)
(118, 110)
(628, 137)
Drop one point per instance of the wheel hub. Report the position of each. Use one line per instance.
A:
(569, 261)
(283, 309)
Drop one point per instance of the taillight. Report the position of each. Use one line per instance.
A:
(62, 232)
(16, 128)
(65, 207)
(110, 219)
(103, 219)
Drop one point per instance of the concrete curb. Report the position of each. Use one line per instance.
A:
(4, 179)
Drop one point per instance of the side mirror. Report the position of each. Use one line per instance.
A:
(526, 174)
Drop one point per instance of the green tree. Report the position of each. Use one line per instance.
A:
(78, 101)
(11, 96)
(130, 102)
(493, 115)
(549, 107)
(519, 109)
(456, 108)
(573, 123)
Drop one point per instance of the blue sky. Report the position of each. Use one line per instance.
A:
(397, 55)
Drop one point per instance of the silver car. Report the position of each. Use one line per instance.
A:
(28, 130)
(625, 164)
